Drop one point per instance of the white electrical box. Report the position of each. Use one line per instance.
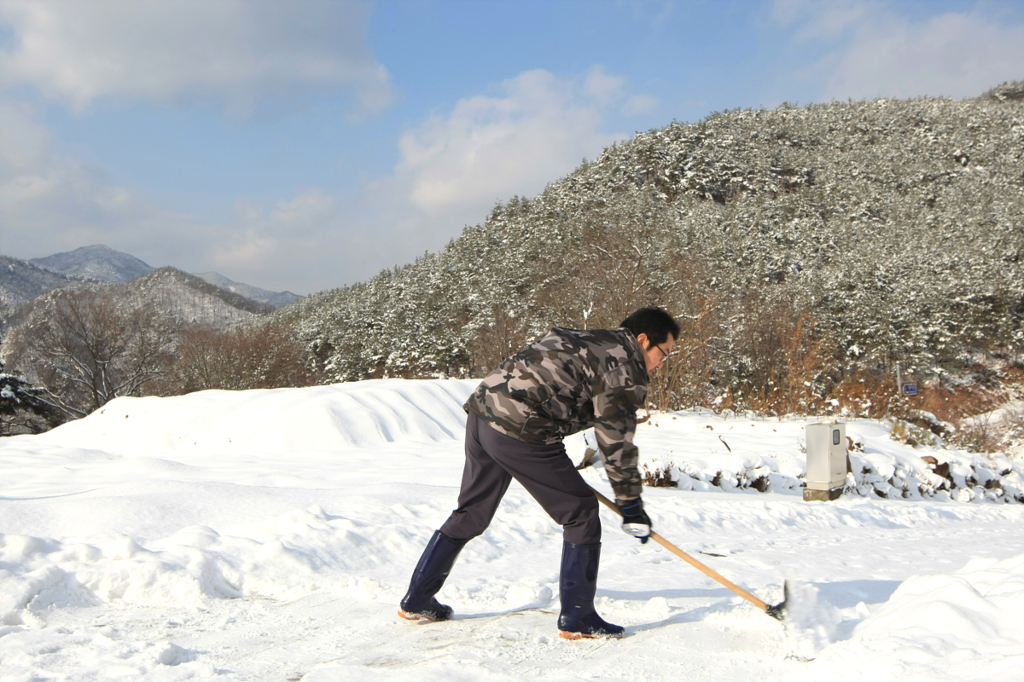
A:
(826, 461)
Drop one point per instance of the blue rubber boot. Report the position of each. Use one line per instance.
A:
(432, 570)
(577, 587)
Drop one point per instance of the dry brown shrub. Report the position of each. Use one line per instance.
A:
(660, 477)
(686, 375)
(267, 356)
(875, 395)
(870, 394)
(954, 405)
(787, 359)
(805, 359)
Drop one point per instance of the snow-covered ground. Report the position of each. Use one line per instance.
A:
(268, 535)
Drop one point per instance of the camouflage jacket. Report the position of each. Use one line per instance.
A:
(569, 381)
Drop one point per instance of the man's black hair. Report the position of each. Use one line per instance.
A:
(654, 322)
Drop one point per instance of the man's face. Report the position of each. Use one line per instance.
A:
(654, 355)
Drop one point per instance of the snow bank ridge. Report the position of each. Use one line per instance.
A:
(362, 414)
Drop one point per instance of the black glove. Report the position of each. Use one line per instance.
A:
(634, 520)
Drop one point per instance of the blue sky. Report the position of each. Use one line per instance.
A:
(306, 145)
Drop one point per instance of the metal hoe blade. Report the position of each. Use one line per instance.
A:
(778, 611)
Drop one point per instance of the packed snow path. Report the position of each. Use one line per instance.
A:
(268, 535)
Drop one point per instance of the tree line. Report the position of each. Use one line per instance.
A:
(81, 348)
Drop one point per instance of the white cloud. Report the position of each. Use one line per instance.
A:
(290, 233)
(956, 55)
(603, 87)
(48, 202)
(883, 53)
(824, 19)
(246, 250)
(22, 140)
(234, 51)
(20, 190)
(453, 167)
(534, 129)
(639, 104)
(307, 211)
(513, 139)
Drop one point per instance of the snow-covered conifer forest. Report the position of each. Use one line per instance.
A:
(810, 251)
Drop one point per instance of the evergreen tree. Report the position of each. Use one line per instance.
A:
(21, 409)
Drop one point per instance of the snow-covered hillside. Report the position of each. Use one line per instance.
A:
(268, 535)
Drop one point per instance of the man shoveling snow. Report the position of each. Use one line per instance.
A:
(566, 382)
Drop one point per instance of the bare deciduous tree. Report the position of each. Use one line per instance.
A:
(86, 350)
(266, 356)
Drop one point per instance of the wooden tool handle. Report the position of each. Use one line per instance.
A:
(690, 560)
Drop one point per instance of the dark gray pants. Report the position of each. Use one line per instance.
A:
(494, 459)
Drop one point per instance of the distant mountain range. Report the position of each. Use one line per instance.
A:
(21, 281)
(177, 296)
(96, 262)
(278, 299)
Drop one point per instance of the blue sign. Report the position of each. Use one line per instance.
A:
(909, 389)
